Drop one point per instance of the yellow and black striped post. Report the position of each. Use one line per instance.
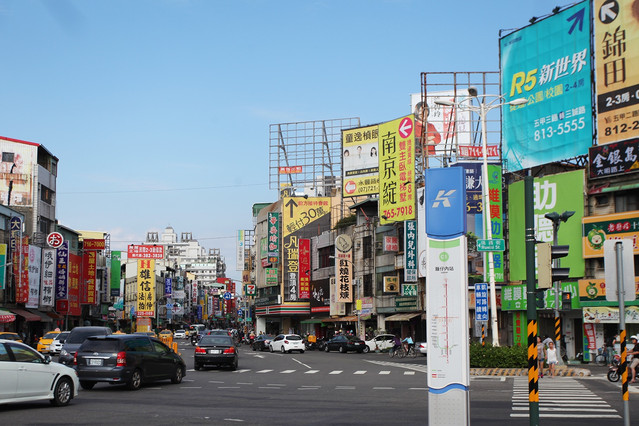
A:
(531, 302)
(623, 367)
(533, 373)
(483, 335)
(558, 337)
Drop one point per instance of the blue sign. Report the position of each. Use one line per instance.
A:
(556, 123)
(481, 302)
(199, 312)
(445, 202)
(240, 312)
(228, 296)
(168, 287)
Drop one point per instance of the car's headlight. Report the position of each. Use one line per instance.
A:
(63, 352)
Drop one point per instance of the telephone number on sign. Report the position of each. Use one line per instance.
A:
(621, 128)
(398, 211)
(560, 129)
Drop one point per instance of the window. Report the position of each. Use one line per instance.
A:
(7, 157)
(325, 259)
(160, 347)
(23, 354)
(4, 355)
(367, 243)
(138, 345)
(368, 285)
(627, 201)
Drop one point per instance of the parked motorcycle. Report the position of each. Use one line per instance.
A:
(613, 372)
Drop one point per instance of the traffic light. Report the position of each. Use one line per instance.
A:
(566, 300)
(540, 299)
(546, 273)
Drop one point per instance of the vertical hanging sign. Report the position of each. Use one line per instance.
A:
(75, 263)
(496, 217)
(305, 268)
(410, 251)
(3, 265)
(291, 266)
(116, 257)
(146, 288)
(35, 262)
(47, 291)
(273, 243)
(62, 271)
(344, 268)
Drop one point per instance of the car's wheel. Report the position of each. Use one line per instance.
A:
(63, 392)
(360, 351)
(342, 349)
(282, 349)
(366, 349)
(326, 348)
(87, 385)
(197, 367)
(270, 347)
(178, 376)
(136, 380)
(301, 352)
(233, 366)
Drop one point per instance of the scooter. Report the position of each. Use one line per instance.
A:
(194, 339)
(613, 371)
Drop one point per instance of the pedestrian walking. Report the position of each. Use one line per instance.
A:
(541, 356)
(551, 357)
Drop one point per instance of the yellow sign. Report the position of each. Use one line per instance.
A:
(397, 170)
(297, 212)
(146, 288)
(616, 226)
(616, 46)
(360, 163)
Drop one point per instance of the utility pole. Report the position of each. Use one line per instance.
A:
(531, 298)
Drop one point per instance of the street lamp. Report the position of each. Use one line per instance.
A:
(482, 110)
(556, 220)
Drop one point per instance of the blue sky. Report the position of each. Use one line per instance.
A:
(159, 110)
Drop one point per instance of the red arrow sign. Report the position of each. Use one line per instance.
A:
(406, 127)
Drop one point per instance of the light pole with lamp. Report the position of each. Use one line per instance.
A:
(556, 220)
(482, 110)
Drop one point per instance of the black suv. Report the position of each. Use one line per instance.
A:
(126, 358)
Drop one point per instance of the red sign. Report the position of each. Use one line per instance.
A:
(406, 127)
(145, 252)
(89, 270)
(62, 306)
(391, 244)
(94, 244)
(55, 239)
(75, 263)
(290, 169)
(477, 151)
(305, 268)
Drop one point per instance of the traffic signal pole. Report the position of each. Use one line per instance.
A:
(533, 373)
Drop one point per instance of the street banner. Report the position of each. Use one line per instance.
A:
(547, 63)
(397, 170)
(305, 268)
(75, 263)
(615, 226)
(47, 290)
(15, 239)
(35, 263)
(145, 252)
(445, 202)
(62, 271)
(360, 163)
(146, 289)
(116, 274)
(23, 288)
(273, 245)
(614, 159)
(520, 328)
(552, 193)
(410, 251)
(291, 265)
(496, 219)
(616, 48)
(3, 266)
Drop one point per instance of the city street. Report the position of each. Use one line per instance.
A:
(322, 388)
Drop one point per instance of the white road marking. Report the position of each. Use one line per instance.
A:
(238, 383)
(409, 373)
(311, 372)
(344, 387)
(191, 387)
(360, 372)
(336, 372)
(215, 381)
(287, 371)
(228, 387)
(384, 372)
(263, 371)
(383, 388)
(300, 362)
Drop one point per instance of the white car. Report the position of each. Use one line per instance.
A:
(422, 348)
(287, 343)
(56, 346)
(381, 342)
(179, 334)
(28, 375)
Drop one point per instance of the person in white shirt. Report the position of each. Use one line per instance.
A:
(551, 358)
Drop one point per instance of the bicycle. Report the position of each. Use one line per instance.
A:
(399, 352)
(410, 353)
(602, 357)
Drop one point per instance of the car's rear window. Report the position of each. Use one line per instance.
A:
(138, 345)
(50, 335)
(100, 345)
(180, 331)
(293, 337)
(216, 341)
(79, 336)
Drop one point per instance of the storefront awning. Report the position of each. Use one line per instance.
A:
(28, 316)
(350, 318)
(41, 316)
(6, 317)
(402, 317)
(313, 321)
(55, 315)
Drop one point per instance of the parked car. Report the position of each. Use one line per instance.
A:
(261, 342)
(287, 343)
(45, 341)
(215, 350)
(10, 336)
(422, 348)
(129, 359)
(381, 342)
(30, 376)
(56, 345)
(77, 336)
(216, 332)
(179, 334)
(345, 344)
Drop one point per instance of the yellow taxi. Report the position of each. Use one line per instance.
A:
(45, 341)
(119, 332)
(166, 333)
(10, 336)
(147, 333)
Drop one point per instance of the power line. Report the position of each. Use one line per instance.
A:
(163, 190)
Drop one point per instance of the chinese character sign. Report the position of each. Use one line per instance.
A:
(305, 268)
(239, 255)
(495, 215)
(35, 262)
(410, 251)
(291, 264)
(88, 291)
(3, 266)
(397, 171)
(548, 64)
(116, 273)
(146, 288)
(360, 164)
(299, 212)
(481, 302)
(145, 252)
(62, 271)
(75, 263)
(617, 158)
(168, 287)
(47, 290)
(616, 44)
(343, 274)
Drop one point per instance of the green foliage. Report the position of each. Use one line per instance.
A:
(498, 356)
(346, 222)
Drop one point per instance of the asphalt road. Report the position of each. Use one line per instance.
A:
(317, 388)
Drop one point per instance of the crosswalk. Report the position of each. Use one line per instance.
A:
(328, 372)
(561, 398)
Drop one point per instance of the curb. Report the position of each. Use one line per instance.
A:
(561, 371)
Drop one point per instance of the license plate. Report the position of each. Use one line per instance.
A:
(215, 351)
(97, 362)
(356, 344)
